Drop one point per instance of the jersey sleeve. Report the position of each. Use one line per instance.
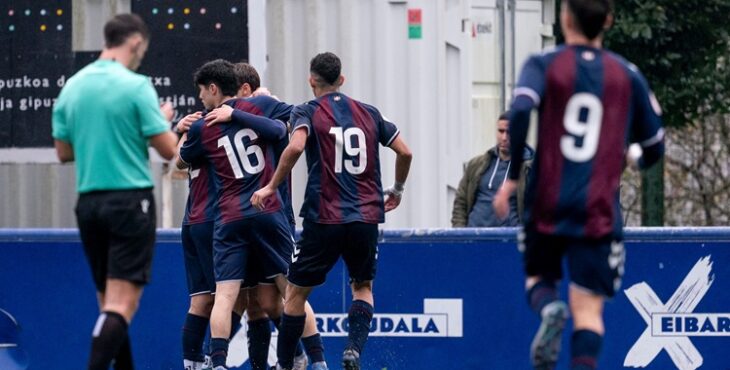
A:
(531, 82)
(301, 117)
(272, 108)
(269, 129)
(148, 109)
(60, 129)
(388, 131)
(193, 148)
(282, 111)
(646, 125)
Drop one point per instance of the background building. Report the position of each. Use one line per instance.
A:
(441, 69)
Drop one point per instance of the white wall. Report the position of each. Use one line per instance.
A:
(442, 90)
(420, 84)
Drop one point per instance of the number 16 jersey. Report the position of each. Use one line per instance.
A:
(343, 162)
(591, 104)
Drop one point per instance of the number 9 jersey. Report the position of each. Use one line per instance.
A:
(591, 103)
(343, 162)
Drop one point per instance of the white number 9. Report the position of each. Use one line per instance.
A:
(589, 130)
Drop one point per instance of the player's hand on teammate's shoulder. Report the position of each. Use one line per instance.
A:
(220, 114)
(184, 124)
(263, 91)
(259, 197)
(167, 110)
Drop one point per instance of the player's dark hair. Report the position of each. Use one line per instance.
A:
(504, 116)
(247, 75)
(326, 67)
(220, 72)
(121, 27)
(590, 15)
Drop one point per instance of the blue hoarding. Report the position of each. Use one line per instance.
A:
(444, 299)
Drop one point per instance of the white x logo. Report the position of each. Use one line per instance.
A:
(684, 300)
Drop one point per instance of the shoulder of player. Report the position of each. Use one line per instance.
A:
(630, 67)
(546, 55)
(197, 128)
(245, 104)
(372, 110)
(307, 108)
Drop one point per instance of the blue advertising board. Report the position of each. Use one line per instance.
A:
(444, 299)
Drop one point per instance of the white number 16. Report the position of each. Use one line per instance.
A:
(589, 129)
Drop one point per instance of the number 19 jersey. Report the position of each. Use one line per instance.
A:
(591, 104)
(343, 162)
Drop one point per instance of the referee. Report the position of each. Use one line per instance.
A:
(104, 118)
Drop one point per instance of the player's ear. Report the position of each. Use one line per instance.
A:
(135, 42)
(312, 82)
(340, 80)
(609, 22)
(245, 90)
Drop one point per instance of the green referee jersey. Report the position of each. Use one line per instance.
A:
(107, 113)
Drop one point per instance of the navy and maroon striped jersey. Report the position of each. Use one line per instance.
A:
(591, 104)
(230, 161)
(200, 206)
(343, 161)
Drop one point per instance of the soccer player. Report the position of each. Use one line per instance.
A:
(264, 302)
(241, 157)
(343, 202)
(591, 104)
(107, 131)
(263, 298)
(197, 238)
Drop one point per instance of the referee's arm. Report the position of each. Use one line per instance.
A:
(64, 150)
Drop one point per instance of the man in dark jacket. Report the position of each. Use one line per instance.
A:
(483, 176)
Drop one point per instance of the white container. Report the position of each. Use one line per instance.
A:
(443, 90)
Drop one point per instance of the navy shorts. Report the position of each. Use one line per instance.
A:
(596, 265)
(322, 245)
(255, 274)
(265, 237)
(197, 241)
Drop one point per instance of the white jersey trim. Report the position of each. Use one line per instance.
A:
(392, 138)
(201, 293)
(301, 126)
(530, 93)
(654, 139)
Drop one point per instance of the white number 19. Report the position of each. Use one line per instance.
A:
(589, 129)
(344, 139)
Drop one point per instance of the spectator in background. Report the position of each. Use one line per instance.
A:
(483, 176)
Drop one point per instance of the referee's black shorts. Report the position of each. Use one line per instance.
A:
(118, 233)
